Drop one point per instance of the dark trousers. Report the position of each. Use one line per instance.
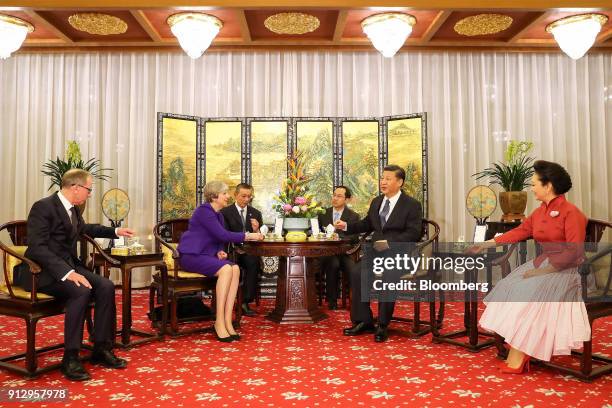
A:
(331, 267)
(249, 265)
(360, 310)
(77, 298)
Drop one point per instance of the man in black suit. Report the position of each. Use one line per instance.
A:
(241, 217)
(331, 265)
(393, 217)
(54, 227)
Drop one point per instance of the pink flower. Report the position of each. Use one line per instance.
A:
(287, 207)
(304, 208)
(300, 200)
(554, 214)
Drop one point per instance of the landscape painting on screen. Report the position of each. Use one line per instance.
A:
(178, 181)
(314, 141)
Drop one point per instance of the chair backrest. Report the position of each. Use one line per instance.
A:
(170, 231)
(17, 230)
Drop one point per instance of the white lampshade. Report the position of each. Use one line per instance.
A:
(195, 31)
(576, 34)
(388, 31)
(13, 32)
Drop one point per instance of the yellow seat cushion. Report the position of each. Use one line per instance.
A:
(601, 271)
(170, 264)
(22, 294)
(12, 262)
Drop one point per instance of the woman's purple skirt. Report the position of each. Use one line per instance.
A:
(204, 264)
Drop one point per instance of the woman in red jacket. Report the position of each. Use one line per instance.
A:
(538, 308)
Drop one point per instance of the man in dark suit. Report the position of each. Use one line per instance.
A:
(393, 217)
(331, 265)
(54, 227)
(241, 217)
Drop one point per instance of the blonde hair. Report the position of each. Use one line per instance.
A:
(212, 189)
(75, 176)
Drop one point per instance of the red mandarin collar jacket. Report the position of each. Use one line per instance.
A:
(560, 227)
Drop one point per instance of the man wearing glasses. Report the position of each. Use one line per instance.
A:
(55, 225)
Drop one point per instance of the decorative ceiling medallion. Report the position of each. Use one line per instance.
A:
(292, 23)
(483, 24)
(96, 23)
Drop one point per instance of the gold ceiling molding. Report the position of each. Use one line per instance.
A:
(17, 21)
(292, 23)
(97, 23)
(601, 18)
(482, 24)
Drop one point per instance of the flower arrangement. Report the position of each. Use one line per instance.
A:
(294, 200)
(514, 174)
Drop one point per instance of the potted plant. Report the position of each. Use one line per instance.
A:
(55, 169)
(513, 175)
(294, 203)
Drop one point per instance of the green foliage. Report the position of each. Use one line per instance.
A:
(55, 169)
(514, 174)
(294, 200)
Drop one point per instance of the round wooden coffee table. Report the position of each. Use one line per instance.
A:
(296, 300)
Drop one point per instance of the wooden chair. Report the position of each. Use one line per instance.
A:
(419, 327)
(429, 240)
(30, 306)
(598, 303)
(180, 282)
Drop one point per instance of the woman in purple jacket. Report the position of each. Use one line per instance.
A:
(201, 250)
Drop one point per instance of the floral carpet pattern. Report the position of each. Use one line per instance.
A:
(304, 366)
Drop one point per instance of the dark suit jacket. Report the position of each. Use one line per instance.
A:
(51, 242)
(348, 216)
(233, 221)
(403, 225)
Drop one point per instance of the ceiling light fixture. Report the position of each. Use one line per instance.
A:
(13, 32)
(576, 34)
(195, 31)
(388, 31)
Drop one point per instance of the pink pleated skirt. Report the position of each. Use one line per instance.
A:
(541, 316)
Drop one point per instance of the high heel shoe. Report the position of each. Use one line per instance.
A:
(227, 339)
(519, 370)
(235, 336)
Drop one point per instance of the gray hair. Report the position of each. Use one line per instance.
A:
(75, 176)
(212, 189)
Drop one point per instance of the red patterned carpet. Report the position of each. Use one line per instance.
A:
(306, 366)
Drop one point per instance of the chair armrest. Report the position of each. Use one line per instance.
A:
(99, 249)
(34, 267)
(585, 268)
(504, 258)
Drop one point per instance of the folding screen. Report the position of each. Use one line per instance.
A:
(347, 151)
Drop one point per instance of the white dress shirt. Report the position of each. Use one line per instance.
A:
(392, 202)
(68, 205)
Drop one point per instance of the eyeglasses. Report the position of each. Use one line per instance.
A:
(86, 188)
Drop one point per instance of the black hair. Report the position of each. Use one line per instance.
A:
(549, 172)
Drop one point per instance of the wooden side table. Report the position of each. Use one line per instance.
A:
(126, 264)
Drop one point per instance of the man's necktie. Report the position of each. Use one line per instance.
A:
(74, 220)
(383, 214)
(243, 219)
(336, 216)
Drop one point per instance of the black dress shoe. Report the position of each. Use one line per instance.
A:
(359, 328)
(332, 304)
(381, 334)
(247, 311)
(107, 359)
(227, 339)
(74, 370)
